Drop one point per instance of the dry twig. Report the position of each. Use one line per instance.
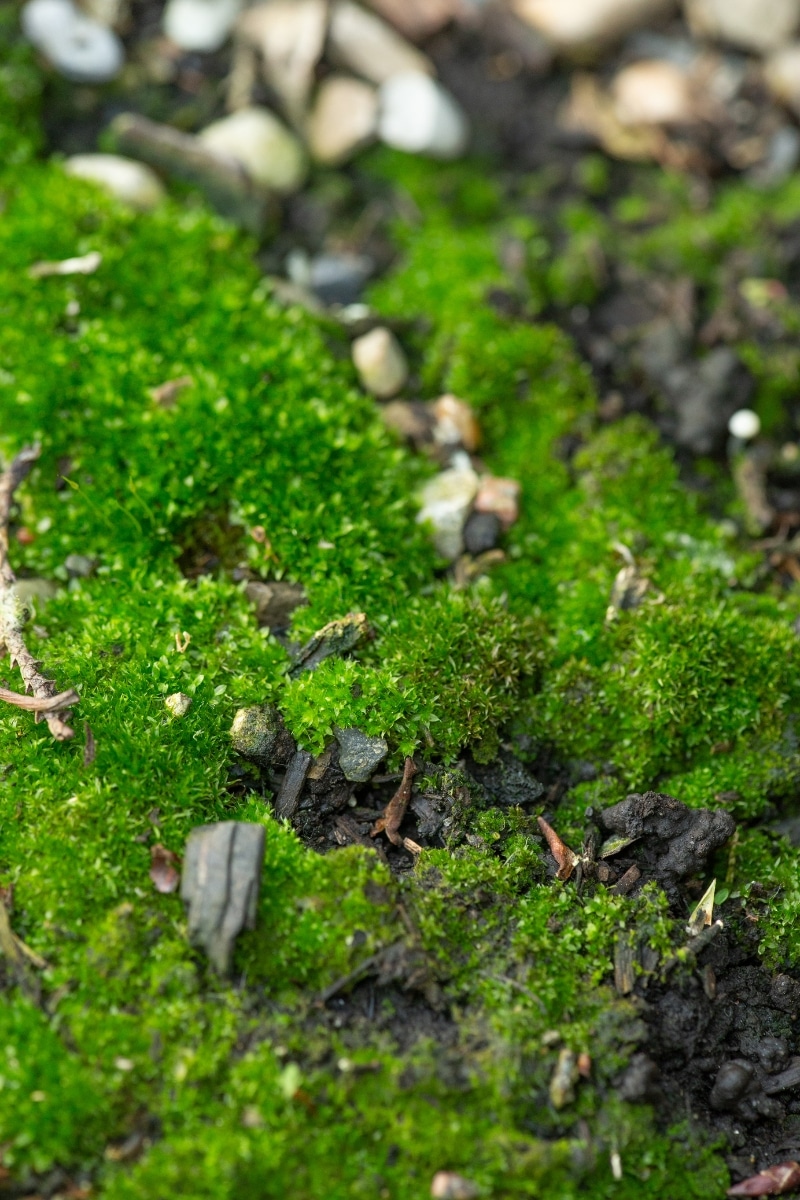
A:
(45, 700)
(395, 810)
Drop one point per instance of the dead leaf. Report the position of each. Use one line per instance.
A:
(164, 869)
(566, 859)
(775, 1181)
(164, 395)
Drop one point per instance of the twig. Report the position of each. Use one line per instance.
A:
(395, 810)
(46, 700)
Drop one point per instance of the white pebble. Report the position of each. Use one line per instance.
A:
(380, 362)
(744, 425)
(200, 25)
(79, 48)
(131, 182)
(178, 704)
(574, 25)
(344, 118)
(445, 502)
(755, 25)
(44, 19)
(419, 116)
(267, 150)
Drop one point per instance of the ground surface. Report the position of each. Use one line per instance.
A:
(392, 1017)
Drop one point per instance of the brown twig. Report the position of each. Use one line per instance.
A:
(395, 810)
(45, 701)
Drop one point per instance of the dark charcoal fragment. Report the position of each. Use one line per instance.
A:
(785, 994)
(773, 1053)
(507, 781)
(481, 532)
(732, 1081)
(275, 602)
(289, 795)
(787, 1080)
(675, 841)
(221, 879)
(325, 794)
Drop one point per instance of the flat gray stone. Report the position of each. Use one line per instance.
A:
(220, 885)
(359, 755)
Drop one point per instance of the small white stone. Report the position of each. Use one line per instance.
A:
(343, 120)
(744, 425)
(131, 182)
(78, 47)
(782, 75)
(756, 25)
(571, 25)
(652, 92)
(290, 36)
(380, 363)
(178, 704)
(446, 501)
(367, 45)
(262, 144)
(419, 116)
(200, 25)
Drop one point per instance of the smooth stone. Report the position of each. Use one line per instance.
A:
(755, 25)
(410, 420)
(339, 278)
(652, 92)
(732, 1081)
(220, 885)
(200, 25)
(268, 151)
(259, 734)
(744, 424)
(417, 115)
(481, 532)
(455, 423)
(80, 49)
(344, 119)
(290, 36)
(580, 25)
(42, 20)
(782, 75)
(445, 502)
(178, 704)
(359, 755)
(499, 496)
(418, 19)
(359, 40)
(80, 566)
(380, 362)
(131, 182)
(275, 602)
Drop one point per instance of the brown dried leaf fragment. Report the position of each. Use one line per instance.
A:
(566, 859)
(775, 1181)
(166, 393)
(164, 869)
(395, 810)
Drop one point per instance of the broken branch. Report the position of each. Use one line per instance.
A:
(45, 700)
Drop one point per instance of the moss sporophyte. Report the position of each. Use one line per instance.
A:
(126, 1064)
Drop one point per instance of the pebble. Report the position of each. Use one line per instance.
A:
(380, 362)
(339, 278)
(446, 501)
(418, 19)
(499, 496)
(782, 75)
(268, 151)
(755, 25)
(481, 532)
(131, 182)
(200, 25)
(290, 36)
(586, 24)
(359, 755)
(744, 425)
(178, 704)
(275, 602)
(411, 420)
(361, 41)
(447, 1185)
(652, 92)
(455, 423)
(344, 119)
(80, 566)
(731, 1083)
(417, 115)
(259, 734)
(78, 47)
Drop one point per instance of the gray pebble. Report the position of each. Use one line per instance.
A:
(359, 755)
(481, 532)
(733, 1080)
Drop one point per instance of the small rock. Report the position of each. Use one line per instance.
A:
(755, 25)
(80, 566)
(586, 25)
(565, 1076)
(653, 92)
(268, 151)
(131, 182)
(499, 496)
(744, 425)
(640, 1082)
(481, 532)
(732, 1081)
(259, 734)
(164, 871)
(275, 602)
(677, 840)
(445, 502)
(200, 25)
(380, 362)
(359, 755)
(411, 420)
(178, 704)
(781, 160)
(290, 35)
(455, 424)
(785, 994)
(78, 47)
(337, 637)
(221, 882)
(447, 1185)
(344, 119)
(418, 19)
(291, 788)
(782, 75)
(359, 40)
(417, 115)
(339, 278)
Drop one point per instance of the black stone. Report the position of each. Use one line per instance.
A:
(481, 532)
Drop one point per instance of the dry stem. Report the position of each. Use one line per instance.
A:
(46, 700)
